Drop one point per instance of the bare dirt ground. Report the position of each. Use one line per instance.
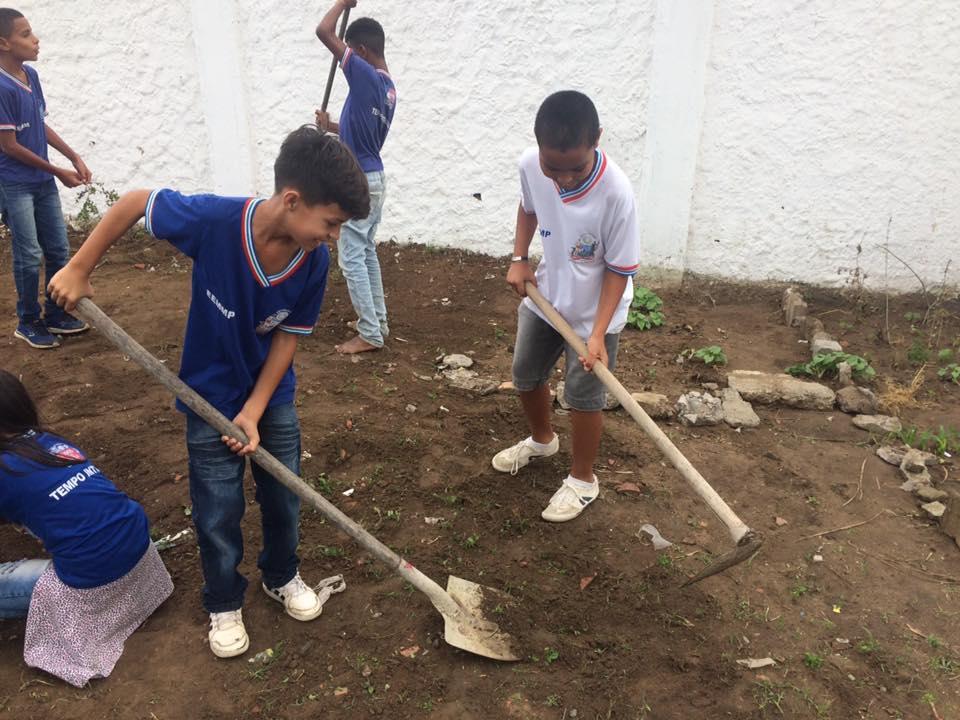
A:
(869, 632)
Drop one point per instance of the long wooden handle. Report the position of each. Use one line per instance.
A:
(333, 63)
(89, 311)
(696, 481)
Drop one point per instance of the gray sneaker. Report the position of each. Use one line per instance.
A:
(520, 455)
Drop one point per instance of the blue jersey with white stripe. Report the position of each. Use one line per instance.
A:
(368, 110)
(235, 306)
(22, 109)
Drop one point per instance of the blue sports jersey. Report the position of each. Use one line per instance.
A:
(94, 532)
(235, 306)
(22, 109)
(368, 110)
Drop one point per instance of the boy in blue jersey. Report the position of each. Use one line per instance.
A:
(29, 201)
(259, 273)
(364, 122)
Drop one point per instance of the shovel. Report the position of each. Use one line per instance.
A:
(460, 604)
(333, 64)
(746, 541)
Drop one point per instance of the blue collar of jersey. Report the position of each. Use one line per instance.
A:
(264, 280)
(17, 80)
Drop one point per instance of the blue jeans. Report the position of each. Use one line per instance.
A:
(16, 586)
(216, 491)
(32, 212)
(357, 256)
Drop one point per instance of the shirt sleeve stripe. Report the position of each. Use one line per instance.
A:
(296, 329)
(8, 127)
(346, 56)
(627, 271)
(148, 214)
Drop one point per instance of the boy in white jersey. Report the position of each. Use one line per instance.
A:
(584, 206)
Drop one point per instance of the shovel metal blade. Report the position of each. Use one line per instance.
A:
(469, 630)
(747, 547)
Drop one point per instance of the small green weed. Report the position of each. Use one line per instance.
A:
(552, 701)
(798, 591)
(945, 355)
(950, 373)
(471, 541)
(550, 655)
(918, 353)
(711, 355)
(813, 661)
(934, 642)
(90, 212)
(825, 365)
(868, 646)
(945, 665)
(330, 551)
(944, 440)
(645, 309)
(664, 561)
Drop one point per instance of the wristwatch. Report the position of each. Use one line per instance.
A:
(519, 258)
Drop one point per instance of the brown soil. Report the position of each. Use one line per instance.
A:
(630, 644)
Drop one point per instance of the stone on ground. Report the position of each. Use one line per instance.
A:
(934, 509)
(457, 361)
(469, 380)
(657, 406)
(878, 423)
(928, 493)
(737, 412)
(696, 408)
(950, 521)
(857, 400)
(823, 343)
(844, 374)
(891, 454)
(769, 388)
(916, 460)
(794, 307)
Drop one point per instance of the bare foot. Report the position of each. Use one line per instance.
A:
(355, 345)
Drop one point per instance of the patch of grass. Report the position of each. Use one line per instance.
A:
(798, 591)
(934, 642)
(552, 701)
(944, 664)
(870, 645)
(550, 655)
(449, 499)
(767, 694)
(323, 485)
(813, 660)
(645, 309)
(471, 541)
(664, 561)
(331, 551)
(943, 440)
(825, 365)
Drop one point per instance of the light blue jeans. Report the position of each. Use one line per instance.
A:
(357, 256)
(16, 586)
(33, 213)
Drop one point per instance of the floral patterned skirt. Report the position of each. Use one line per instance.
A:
(79, 634)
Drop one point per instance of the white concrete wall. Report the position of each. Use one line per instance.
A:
(766, 140)
(823, 120)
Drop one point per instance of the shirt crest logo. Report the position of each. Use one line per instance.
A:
(62, 450)
(272, 321)
(585, 250)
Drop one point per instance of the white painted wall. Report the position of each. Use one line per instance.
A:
(824, 119)
(765, 139)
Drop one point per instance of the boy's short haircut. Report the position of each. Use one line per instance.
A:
(323, 170)
(367, 32)
(565, 120)
(7, 18)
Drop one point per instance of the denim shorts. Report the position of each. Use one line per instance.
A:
(537, 350)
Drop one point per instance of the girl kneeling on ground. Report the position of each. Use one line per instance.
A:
(105, 577)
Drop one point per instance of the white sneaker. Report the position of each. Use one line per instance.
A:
(570, 501)
(520, 455)
(228, 638)
(298, 599)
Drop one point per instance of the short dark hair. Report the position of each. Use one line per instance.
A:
(367, 32)
(7, 18)
(567, 119)
(323, 170)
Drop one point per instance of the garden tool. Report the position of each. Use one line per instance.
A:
(746, 541)
(333, 63)
(460, 604)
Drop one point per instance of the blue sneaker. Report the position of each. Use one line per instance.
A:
(63, 323)
(35, 334)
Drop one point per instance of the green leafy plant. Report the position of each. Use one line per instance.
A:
(825, 365)
(918, 353)
(943, 440)
(550, 655)
(945, 355)
(90, 212)
(950, 372)
(812, 660)
(710, 355)
(644, 312)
